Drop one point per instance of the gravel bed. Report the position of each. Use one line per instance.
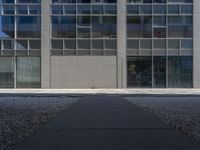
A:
(20, 116)
(181, 112)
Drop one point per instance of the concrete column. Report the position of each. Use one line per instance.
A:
(196, 53)
(121, 44)
(45, 44)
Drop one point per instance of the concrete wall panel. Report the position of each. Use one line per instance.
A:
(83, 72)
(196, 57)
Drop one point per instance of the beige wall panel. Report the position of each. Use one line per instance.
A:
(83, 72)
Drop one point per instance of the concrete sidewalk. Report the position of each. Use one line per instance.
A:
(143, 91)
(106, 123)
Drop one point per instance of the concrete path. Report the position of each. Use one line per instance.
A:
(106, 123)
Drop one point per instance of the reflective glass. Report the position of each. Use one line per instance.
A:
(6, 72)
(28, 27)
(159, 68)
(7, 26)
(28, 72)
(139, 72)
(180, 71)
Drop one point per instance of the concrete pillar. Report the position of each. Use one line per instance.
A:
(45, 44)
(196, 43)
(121, 44)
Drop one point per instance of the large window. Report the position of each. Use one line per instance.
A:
(26, 75)
(84, 27)
(180, 72)
(139, 27)
(160, 71)
(7, 27)
(6, 72)
(139, 71)
(28, 27)
(160, 32)
(64, 27)
(20, 43)
(28, 72)
(20, 25)
(167, 23)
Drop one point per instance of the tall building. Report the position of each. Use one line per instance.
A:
(99, 43)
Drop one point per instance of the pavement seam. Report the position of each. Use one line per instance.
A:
(109, 128)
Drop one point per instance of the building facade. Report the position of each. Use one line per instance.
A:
(99, 44)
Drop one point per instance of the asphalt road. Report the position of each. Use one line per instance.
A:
(100, 122)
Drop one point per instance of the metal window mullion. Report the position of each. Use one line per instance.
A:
(76, 28)
(104, 47)
(90, 29)
(1, 47)
(152, 67)
(28, 6)
(167, 72)
(167, 53)
(28, 44)
(15, 46)
(63, 42)
(152, 57)
(180, 50)
(15, 71)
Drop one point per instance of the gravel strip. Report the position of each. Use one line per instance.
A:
(20, 116)
(181, 112)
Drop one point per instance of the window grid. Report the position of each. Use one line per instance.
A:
(90, 50)
(168, 50)
(29, 10)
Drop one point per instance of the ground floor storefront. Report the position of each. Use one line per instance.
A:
(20, 72)
(160, 72)
(98, 72)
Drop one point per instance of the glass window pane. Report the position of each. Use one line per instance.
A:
(28, 72)
(7, 27)
(139, 72)
(132, 44)
(83, 44)
(159, 68)
(97, 44)
(138, 27)
(22, 44)
(173, 44)
(110, 44)
(187, 44)
(64, 27)
(146, 44)
(28, 27)
(83, 32)
(159, 44)
(8, 44)
(35, 44)
(57, 44)
(180, 71)
(6, 72)
(70, 44)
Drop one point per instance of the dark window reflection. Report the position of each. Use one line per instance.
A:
(139, 27)
(64, 26)
(159, 68)
(6, 72)
(139, 71)
(7, 26)
(28, 72)
(28, 27)
(180, 71)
